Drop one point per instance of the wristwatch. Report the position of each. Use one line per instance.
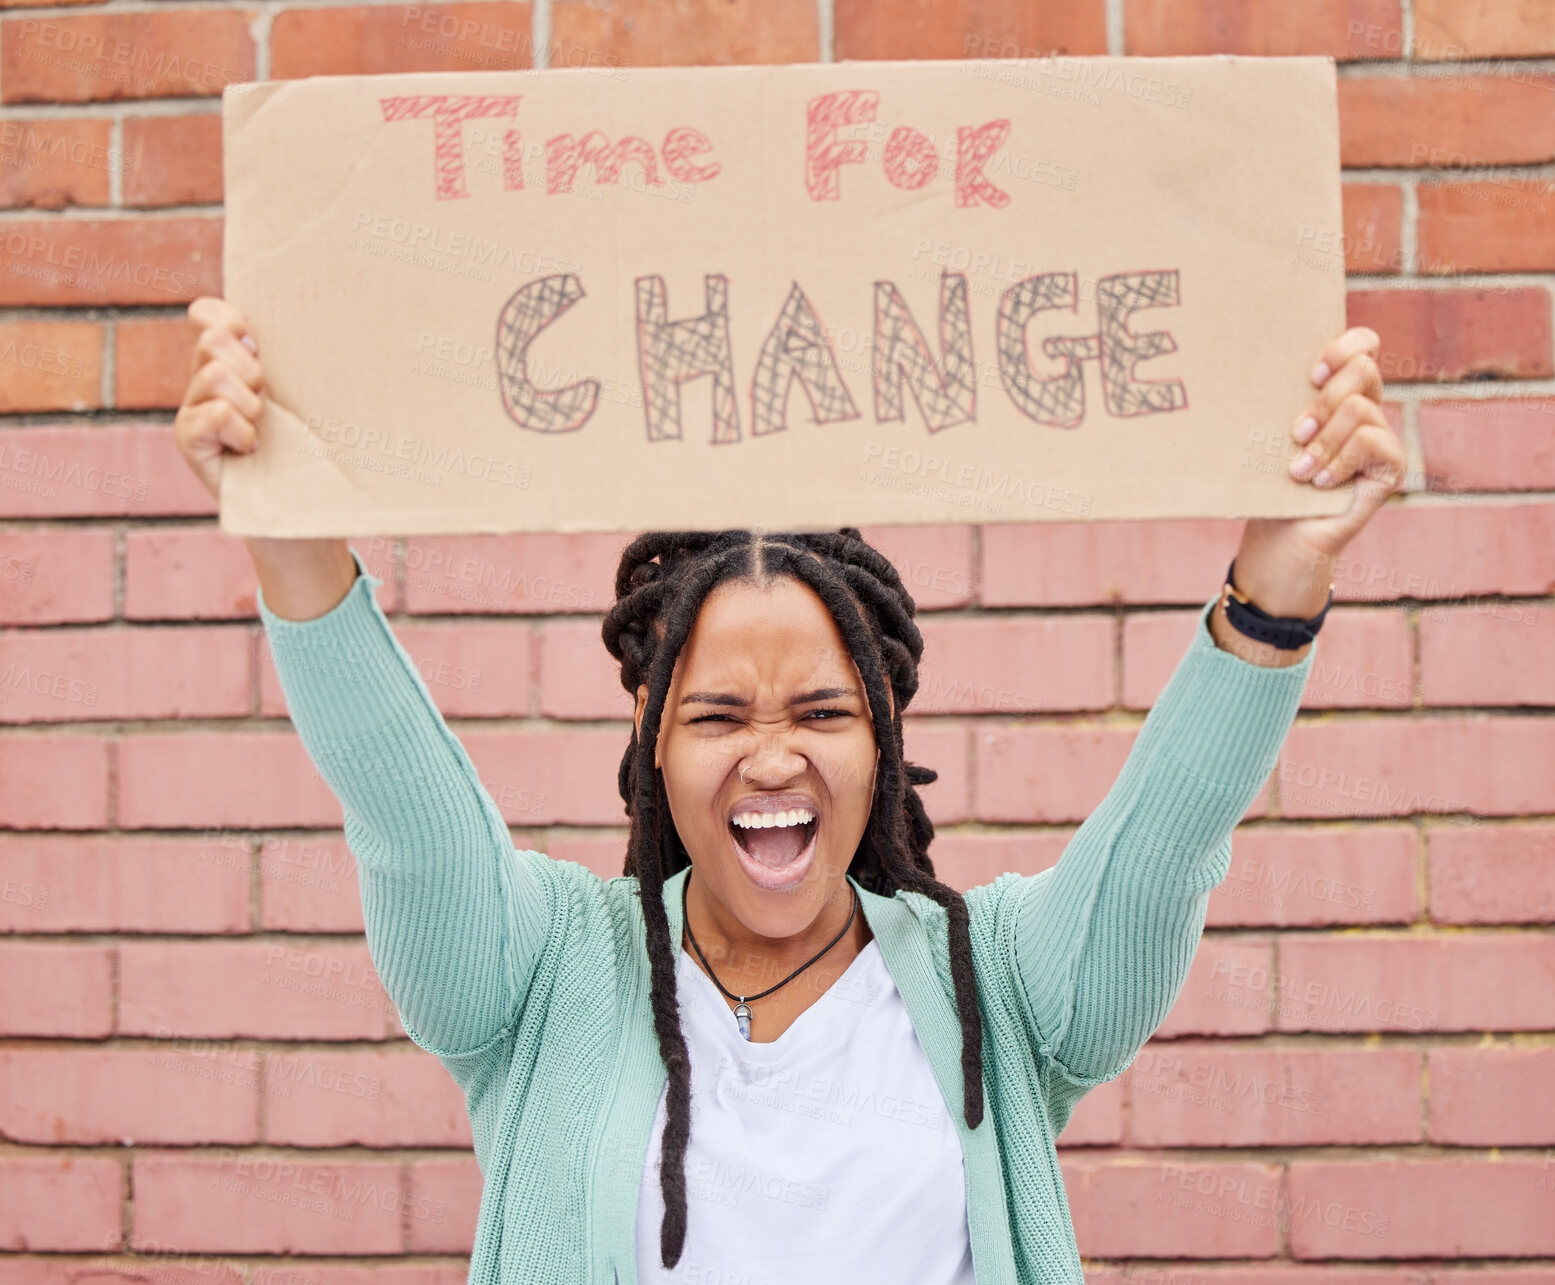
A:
(1284, 632)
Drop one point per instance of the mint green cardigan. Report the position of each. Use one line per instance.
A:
(527, 978)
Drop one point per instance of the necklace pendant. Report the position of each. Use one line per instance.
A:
(742, 1015)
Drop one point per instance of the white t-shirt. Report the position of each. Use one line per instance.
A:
(825, 1156)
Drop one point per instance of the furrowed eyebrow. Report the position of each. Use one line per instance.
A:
(727, 698)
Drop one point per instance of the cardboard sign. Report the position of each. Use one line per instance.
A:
(622, 299)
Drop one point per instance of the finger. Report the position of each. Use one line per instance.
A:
(205, 429)
(1361, 374)
(216, 379)
(1355, 340)
(224, 346)
(213, 313)
(1355, 410)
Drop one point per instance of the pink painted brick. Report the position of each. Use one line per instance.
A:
(186, 1092)
(1098, 1119)
(390, 1097)
(1190, 1094)
(224, 779)
(603, 854)
(55, 576)
(551, 775)
(1429, 1208)
(969, 859)
(1364, 658)
(1083, 564)
(1007, 665)
(578, 677)
(935, 562)
(120, 470)
(1453, 982)
(308, 884)
(1226, 992)
(1503, 654)
(101, 884)
(444, 1198)
(54, 782)
(1492, 874)
(472, 669)
(1485, 765)
(61, 1203)
(66, 675)
(1174, 1209)
(1488, 445)
(527, 573)
(266, 1203)
(56, 989)
(1493, 1097)
(262, 990)
(944, 747)
(1309, 876)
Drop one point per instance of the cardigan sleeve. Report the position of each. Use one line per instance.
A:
(455, 918)
(1103, 940)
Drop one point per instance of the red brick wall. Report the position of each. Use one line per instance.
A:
(1359, 1073)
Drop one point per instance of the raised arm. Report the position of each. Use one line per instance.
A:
(1104, 939)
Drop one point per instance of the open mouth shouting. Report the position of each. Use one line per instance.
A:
(774, 837)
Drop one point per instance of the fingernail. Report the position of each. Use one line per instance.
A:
(1305, 429)
(248, 342)
(1302, 467)
(1323, 478)
(1320, 372)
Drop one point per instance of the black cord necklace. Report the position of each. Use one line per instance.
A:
(742, 1012)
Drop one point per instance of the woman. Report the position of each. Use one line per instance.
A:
(777, 1048)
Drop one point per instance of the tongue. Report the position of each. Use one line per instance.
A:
(775, 846)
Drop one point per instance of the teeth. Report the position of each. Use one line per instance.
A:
(769, 820)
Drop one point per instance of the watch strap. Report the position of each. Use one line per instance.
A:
(1287, 633)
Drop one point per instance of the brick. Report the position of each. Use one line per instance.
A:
(188, 1092)
(545, 777)
(54, 576)
(968, 29)
(1098, 1119)
(104, 56)
(1445, 334)
(644, 33)
(224, 779)
(936, 563)
(1492, 874)
(50, 366)
(237, 1202)
(1484, 765)
(1142, 1208)
(1454, 982)
(969, 859)
(1492, 1097)
(1085, 564)
(390, 1097)
(943, 747)
(309, 884)
(56, 990)
(499, 574)
(60, 1203)
(1445, 121)
(365, 40)
(54, 782)
(1342, 28)
(578, 677)
(103, 884)
(261, 990)
(99, 262)
(1364, 658)
(1440, 1207)
(66, 675)
(444, 1198)
(128, 470)
(1488, 444)
(986, 665)
(1486, 227)
(1373, 227)
(1310, 876)
(472, 669)
(49, 163)
(173, 160)
(1227, 990)
(603, 854)
(1495, 28)
(1471, 656)
(154, 361)
(1190, 1094)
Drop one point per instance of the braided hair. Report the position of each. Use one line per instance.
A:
(660, 586)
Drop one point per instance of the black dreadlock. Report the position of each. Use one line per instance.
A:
(661, 583)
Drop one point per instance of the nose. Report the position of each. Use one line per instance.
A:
(772, 764)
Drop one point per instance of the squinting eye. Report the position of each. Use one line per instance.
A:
(838, 713)
(708, 718)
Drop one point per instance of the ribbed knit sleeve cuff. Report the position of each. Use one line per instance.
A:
(1224, 718)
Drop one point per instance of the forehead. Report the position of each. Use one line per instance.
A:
(780, 636)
